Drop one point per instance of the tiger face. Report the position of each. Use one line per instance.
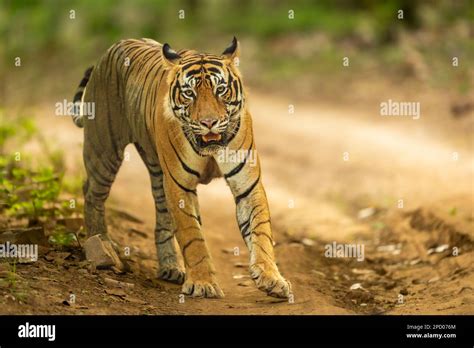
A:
(206, 96)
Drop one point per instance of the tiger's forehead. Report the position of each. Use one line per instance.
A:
(197, 68)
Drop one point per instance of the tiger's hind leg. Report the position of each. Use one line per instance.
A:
(101, 166)
(164, 230)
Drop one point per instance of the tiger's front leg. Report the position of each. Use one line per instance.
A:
(253, 217)
(200, 272)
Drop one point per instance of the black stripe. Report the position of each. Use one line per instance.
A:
(247, 192)
(196, 151)
(155, 174)
(260, 223)
(198, 218)
(165, 240)
(238, 168)
(147, 98)
(177, 183)
(78, 96)
(249, 218)
(186, 66)
(83, 82)
(193, 72)
(248, 224)
(261, 248)
(162, 196)
(198, 262)
(215, 70)
(184, 165)
(188, 244)
(263, 234)
(215, 62)
(237, 128)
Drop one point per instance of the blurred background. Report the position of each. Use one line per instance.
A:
(334, 169)
(300, 55)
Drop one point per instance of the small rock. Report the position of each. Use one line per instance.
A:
(307, 242)
(365, 213)
(10, 297)
(319, 273)
(356, 286)
(434, 279)
(118, 284)
(116, 292)
(92, 268)
(390, 248)
(439, 249)
(102, 253)
(362, 271)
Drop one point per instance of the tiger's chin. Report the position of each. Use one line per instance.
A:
(210, 143)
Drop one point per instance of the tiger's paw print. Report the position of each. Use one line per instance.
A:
(172, 274)
(270, 281)
(202, 288)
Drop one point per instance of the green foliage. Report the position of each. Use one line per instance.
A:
(19, 291)
(21, 129)
(28, 191)
(62, 238)
(319, 34)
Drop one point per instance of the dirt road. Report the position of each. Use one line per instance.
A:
(331, 175)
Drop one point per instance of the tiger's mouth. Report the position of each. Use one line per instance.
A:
(211, 139)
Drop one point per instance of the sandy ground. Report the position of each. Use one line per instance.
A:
(418, 254)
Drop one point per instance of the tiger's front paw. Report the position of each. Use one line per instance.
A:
(202, 288)
(270, 281)
(171, 274)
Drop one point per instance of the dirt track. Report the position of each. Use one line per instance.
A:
(302, 158)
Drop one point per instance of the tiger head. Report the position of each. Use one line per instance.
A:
(205, 95)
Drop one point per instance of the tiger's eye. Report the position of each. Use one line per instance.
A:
(220, 89)
(189, 93)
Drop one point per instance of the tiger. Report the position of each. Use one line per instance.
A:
(180, 109)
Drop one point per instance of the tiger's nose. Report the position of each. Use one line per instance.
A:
(209, 122)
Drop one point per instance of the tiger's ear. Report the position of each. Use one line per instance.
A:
(233, 51)
(170, 56)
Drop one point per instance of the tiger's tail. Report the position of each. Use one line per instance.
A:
(77, 116)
